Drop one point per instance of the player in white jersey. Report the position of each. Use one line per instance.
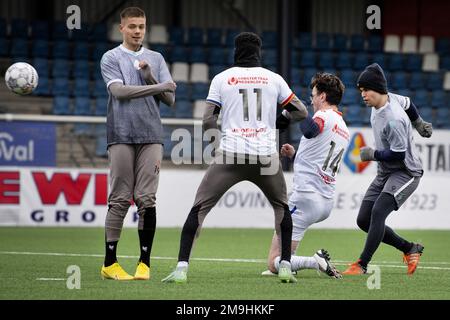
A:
(248, 96)
(316, 166)
(399, 168)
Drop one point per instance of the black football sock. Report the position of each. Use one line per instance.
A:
(147, 234)
(110, 256)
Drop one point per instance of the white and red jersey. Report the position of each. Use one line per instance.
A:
(318, 159)
(248, 98)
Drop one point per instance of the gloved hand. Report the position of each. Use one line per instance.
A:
(367, 154)
(425, 129)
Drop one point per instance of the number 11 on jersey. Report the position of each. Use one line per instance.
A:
(244, 93)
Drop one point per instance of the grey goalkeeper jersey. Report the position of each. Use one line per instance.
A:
(392, 130)
(133, 121)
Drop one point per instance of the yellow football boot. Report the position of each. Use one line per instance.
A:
(142, 272)
(115, 272)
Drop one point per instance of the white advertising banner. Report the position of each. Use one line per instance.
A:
(78, 197)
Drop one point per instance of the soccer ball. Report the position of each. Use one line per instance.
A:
(21, 78)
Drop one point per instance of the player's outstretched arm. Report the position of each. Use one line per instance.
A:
(167, 97)
(295, 109)
(121, 91)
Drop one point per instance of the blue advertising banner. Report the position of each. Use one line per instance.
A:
(27, 144)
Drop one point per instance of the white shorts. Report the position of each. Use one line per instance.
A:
(307, 208)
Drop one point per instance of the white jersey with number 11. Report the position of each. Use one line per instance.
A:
(248, 98)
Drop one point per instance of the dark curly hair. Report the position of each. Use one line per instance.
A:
(331, 85)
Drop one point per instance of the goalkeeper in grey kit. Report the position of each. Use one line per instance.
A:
(399, 167)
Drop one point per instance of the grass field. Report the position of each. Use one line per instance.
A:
(226, 264)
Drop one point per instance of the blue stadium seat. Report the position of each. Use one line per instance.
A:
(304, 41)
(213, 71)
(435, 81)
(101, 106)
(199, 91)
(195, 36)
(417, 80)
(183, 109)
(395, 62)
(43, 88)
(60, 50)
(308, 73)
(40, 49)
(375, 43)
(229, 56)
(80, 50)
(365, 114)
(97, 73)
(60, 68)
(443, 46)
(406, 93)
(353, 115)
(323, 41)
(80, 35)
(361, 61)
(379, 58)
(59, 31)
(421, 98)
(81, 88)
(438, 99)
(19, 48)
(348, 77)
(307, 59)
(326, 60)
(214, 37)
(197, 54)
(270, 39)
(100, 49)
(180, 54)
(270, 57)
(4, 47)
(295, 58)
(165, 111)
(295, 76)
(351, 96)
(82, 106)
(216, 56)
(230, 34)
(98, 33)
(183, 91)
(62, 105)
(19, 29)
(101, 146)
(357, 42)
(445, 62)
(344, 60)
(413, 62)
(426, 113)
(99, 89)
(340, 42)
(61, 87)
(42, 67)
(398, 80)
(176, 36)
(40, 30)
(295, 133)
(443, 118)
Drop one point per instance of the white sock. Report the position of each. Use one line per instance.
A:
(182, 264)
(298, 263)
(276, 262)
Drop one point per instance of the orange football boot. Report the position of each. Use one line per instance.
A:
(355, 269)
(411, 259)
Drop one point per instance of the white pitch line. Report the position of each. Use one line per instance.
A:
(50, 279)
(388, 264)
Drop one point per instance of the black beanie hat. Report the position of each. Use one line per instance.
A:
(373, 78)
(247, 50)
